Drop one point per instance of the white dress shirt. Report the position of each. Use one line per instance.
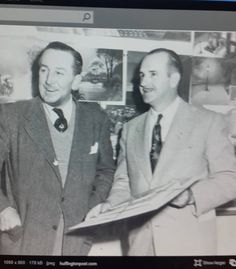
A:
(66, 108)
(166, 121)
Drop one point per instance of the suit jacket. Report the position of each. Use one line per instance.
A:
(197, 145)
(35, 185)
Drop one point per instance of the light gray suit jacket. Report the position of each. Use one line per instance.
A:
(197, 145)
(27, 152)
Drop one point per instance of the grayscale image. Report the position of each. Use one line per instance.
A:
(117, 142)
(213, 81)
(118, 116)
(214, 44)
(102, 79)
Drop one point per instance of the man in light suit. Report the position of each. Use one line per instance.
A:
(193, 143)
(57, 160)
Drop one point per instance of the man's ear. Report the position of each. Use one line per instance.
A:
(174, 79)
(76, 82)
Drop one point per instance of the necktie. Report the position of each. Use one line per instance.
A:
(156, 143)
(61, 123)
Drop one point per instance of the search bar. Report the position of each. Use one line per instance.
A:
(46, 15)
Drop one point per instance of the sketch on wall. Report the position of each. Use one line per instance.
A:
(214, 44)
(211, 81)
(102, 79)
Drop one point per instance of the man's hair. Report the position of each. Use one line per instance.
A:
(56, 45)
(174, 61)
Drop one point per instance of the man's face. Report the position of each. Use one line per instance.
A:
(56, 76)
(157, 85)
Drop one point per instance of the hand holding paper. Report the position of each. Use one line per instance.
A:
(185, 198)
(97, 210)
(145, 202)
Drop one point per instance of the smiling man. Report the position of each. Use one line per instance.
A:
(56, 158)
(173, 141)
(56, 79)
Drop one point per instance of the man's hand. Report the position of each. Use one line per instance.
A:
(98, 209)
(9, 219)
(185, 198)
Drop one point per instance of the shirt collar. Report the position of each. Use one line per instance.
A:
(66, 108)
(168, 111)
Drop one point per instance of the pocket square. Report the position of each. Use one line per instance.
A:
(94, 148)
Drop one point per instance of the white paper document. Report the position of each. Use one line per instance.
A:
(147, 202)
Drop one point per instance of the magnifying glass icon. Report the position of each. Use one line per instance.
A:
(87, 16)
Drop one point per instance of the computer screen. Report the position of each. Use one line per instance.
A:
(113, 41)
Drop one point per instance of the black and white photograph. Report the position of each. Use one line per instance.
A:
(103, 76)
(99, 123)
(211, 81)
(212, 44)
(118, 116)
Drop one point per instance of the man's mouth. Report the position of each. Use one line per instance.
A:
(50, 89)
(147, 90)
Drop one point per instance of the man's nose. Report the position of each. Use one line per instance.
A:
(50, 78)
(144, 82)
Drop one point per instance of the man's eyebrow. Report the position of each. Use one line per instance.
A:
(61, 68)
(57, 67)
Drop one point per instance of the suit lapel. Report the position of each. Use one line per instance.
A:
(178, 134)
(141, 144)
(37, 128)
(78, 146)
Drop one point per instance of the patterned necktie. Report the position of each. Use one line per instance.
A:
(156, 143)
(61, 123)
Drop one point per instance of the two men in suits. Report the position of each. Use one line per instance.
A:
(188, 142)
(56, 157)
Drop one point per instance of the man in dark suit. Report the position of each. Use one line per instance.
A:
(173, 141)
(57, 160)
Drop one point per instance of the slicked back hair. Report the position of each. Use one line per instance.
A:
(174, 61)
